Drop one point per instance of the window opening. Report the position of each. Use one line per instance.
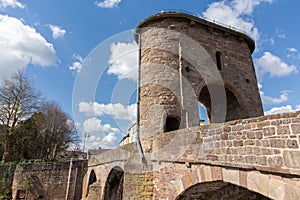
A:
(203, 119)
(172, 124)
(218, 59)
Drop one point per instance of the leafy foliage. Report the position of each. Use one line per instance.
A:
(31, 128)
(18, 101)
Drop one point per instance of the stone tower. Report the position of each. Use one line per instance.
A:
(185, 60)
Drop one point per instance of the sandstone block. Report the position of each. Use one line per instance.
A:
(276, 189)
(291, 159)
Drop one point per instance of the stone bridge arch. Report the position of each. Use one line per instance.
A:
(91, 180)
(213, 182)
(113, 189)
(216, 190)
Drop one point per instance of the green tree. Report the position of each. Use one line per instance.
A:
(24, 142)
(44, 135)
(18, 101)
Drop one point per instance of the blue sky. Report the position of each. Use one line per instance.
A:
(53, 40)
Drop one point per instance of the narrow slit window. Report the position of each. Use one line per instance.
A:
(218, 59)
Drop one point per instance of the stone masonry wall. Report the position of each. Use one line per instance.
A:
(138, 186)
(172, 180)
(269, 143)
(48, 180)
(171, 40)
(261, 154)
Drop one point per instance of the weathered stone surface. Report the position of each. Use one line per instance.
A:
(292, 144)
(296, 128)
(283, 130)
(49, 180)
(160, 94)
(278, 143)
(269, 131)
(277, 189)
(263, 186)
(291, 159)
(255, 153)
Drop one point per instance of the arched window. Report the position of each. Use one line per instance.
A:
(218, 60)
(203, 118)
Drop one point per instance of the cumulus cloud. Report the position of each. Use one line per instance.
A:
(123, 60)
(20, 45)
(108, 142)
(235, 13)
(108, 3)
(118, 110)
(274, 66)
(11, 3)
(77, 64)
(93, 125)
(57, 32)
(282, 109)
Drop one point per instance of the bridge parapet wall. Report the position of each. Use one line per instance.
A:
(250, 150)
(268, 143)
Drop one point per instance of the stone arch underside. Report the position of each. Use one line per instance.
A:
(92, 180)
(113, 189)
(234, 108)
(217, 190)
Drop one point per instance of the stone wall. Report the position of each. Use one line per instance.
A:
(201, 181)
(134, 188)
(268, 143)
(174, 42)
(48, 180)
(261, 154)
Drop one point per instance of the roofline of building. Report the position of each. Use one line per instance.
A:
(209, 23)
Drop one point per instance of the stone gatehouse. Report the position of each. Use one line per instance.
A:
(238, 154)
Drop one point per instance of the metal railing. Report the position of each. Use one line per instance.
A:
(209, 20)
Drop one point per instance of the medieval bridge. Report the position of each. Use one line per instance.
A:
(243, 159)
(239, 154)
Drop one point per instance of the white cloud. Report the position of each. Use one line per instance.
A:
(107, 142)
(20, 45)
(235, 13)
(280, 33)
(282, 109)
(124, 60)
(108, 3)
(118, 110)
(273, 65)
(292, 50)
(77, 64)
(11, 3)
(57, 32)
(272, 41)
(272, 100)
(93, 125)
